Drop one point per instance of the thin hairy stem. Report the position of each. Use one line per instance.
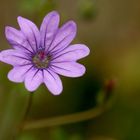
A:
(67, 119)
(28, 106)
(21, 127)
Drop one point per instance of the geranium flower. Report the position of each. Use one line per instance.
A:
(39, 56)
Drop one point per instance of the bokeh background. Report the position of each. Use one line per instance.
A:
(111, 29)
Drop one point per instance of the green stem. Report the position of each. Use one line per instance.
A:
(28, 106)
(67, 119)
(21, 127)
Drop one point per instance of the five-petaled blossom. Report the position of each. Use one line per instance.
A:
(39, 56)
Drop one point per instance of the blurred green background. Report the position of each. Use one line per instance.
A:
(111, 29)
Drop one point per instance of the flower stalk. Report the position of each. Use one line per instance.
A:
(21, 127)
(68, 119)
(30, 100)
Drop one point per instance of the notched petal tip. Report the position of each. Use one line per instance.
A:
(17, 74)
(53, 13)
(1, 55)
(71, 27)
(8, 31)
(56, 93)
(11, 76)
(19, 18)
(72, 24)
(86, 50)
(29, 89)
(82, 71)
(12, 34)
(53, 82)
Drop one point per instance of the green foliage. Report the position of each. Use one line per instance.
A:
(58, 134)
(87, 9)
(27, 137)
(32, 6)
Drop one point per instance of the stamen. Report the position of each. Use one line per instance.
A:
(41, 60)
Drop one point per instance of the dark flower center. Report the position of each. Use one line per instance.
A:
(41, 60)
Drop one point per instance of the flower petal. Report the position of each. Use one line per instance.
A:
(64, 36)
(48, 28)
(53, 82)
(70, 69)
(14, 36)
(72, 53)
(17, 74)
(17, 39)
(13, 57)
(31, 32)
(33, 79)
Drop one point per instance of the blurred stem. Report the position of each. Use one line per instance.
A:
(28, 106)
(29, 103)
(67, 119)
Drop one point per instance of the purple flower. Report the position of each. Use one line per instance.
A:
(38, 56)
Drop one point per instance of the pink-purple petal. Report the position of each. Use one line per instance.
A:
(69, 69)
(48, 28)
(31, 32)
(33, 79)
(13, 57)
(53, 82)
(14, 36)
(17, 74)
(72, 53)
(64, 36)
(17, 39)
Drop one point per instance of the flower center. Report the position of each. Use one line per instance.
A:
(41, 60)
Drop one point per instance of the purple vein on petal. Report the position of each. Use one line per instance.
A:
(27, 71)
(59, 50)
(42, 73)
(46, 32)
(54, 34)
(47, 50)
(21, 46)
(55, 62)
(58, 44)
(25, 64)
(30, 44)
(50, 74)
(35, 39)
(35, 73)
(58, 67)
(60, 55)
(21, 57)
(64, 54)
